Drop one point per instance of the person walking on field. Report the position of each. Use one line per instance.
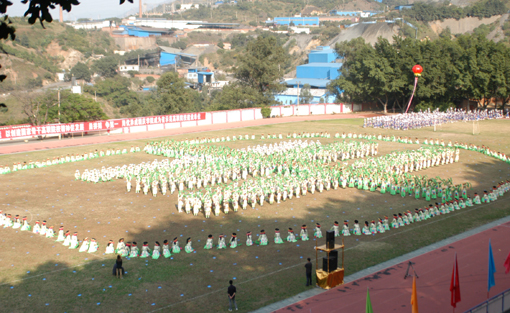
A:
(231, 296)
(308, 267)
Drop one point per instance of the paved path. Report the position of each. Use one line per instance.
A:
(10, 147)
(390, 292)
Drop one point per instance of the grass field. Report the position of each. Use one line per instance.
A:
(39, 275)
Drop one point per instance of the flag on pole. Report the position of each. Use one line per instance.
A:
(454, 285)
(507, 264)
(369, 304)
(414, 297)
(492, 269)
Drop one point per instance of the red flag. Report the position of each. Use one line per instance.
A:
(507, 264)
(454, 286)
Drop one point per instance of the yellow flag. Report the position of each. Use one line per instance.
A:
(414, 297)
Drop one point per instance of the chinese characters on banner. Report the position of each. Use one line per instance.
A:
(16, 131)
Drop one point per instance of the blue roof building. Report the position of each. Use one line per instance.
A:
(140, 31)
(322, 54)
(318, 70)
(297, 21)
(315, 83)
(318, 73)
(345, 13)
(169, 56)
(205, 77)
(403, 7)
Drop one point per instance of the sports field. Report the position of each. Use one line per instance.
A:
(40, 275)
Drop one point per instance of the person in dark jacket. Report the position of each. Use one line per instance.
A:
(231, 296)
(118, 270)
(308, 267)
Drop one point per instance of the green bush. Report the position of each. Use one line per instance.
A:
(266, 112)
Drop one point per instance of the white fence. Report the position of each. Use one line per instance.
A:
(242, 115)
(201, 119)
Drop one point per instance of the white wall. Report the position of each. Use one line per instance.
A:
(236, 116)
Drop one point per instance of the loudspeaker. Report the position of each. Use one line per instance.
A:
(333, 262)
(330, 239)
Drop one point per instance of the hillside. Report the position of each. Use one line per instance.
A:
(38, 54)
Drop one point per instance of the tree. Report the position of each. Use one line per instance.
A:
(305, 96)
(259, 67)
(238, 96)
(115, 90)
(174, 96)
(36, 106)
(150, 79)
(76, 108)
(106, 67)
(81, 71)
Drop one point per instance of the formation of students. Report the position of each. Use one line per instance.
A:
(42, 229)
(414, 120)
(277, 172)
(427, 142)
(211, 176)
(370, 227)
(69, 158)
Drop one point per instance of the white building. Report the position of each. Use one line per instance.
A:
(300, 30)
(91, 24)
(187, 6)
(192, 77)
(76, 89)
(61, 76)
(127, 68)
(162, 23)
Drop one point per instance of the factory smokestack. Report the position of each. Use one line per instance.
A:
(140, 10)
(61, 15)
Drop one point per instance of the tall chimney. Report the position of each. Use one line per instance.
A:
(61, 15)
(140, 10)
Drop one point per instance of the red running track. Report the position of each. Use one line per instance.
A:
(20, 146)
(389, 292)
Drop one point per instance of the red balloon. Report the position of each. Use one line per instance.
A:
(417, 69)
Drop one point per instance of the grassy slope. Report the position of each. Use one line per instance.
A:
(263, 274)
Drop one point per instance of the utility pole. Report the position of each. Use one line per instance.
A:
(297, 108)
(58, 95)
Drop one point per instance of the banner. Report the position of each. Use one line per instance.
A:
(16, 131)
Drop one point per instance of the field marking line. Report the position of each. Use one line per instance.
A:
(243, 282)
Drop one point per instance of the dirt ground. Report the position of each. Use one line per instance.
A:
(37, 274)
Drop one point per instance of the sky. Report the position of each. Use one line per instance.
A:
(94, 9)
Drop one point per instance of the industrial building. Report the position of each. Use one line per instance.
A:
(345, 13)
(403, 7)
(165, 58)
(142, 31)
(354, 13)
(296, 21)
(172, 56)
(322, 54)
(318, 70)
(322, 67)
(176, 24)
(95, 24)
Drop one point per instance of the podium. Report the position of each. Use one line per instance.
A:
(329, 279)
